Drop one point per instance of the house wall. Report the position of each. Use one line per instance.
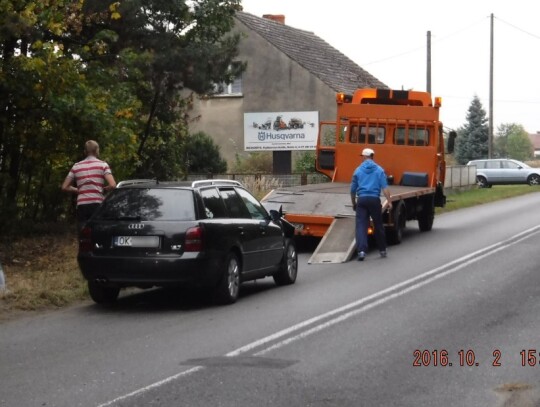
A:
(272, 82)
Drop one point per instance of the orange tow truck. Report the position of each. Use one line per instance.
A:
(404, 130)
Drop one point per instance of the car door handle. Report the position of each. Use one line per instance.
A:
(241, 230)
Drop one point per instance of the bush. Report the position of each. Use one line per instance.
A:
(202, 155)
(253, 163)
(260, 186)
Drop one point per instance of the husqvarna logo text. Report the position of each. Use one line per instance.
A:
(136, 226)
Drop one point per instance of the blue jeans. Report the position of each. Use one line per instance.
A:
(367, 207)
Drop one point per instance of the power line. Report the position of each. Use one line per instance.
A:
(519, 29)
(422, 48)
(443, 38)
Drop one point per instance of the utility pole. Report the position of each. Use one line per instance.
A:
(490, 124)
(428, 79)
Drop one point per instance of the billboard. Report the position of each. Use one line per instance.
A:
(273, 131)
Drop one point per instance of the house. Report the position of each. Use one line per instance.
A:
(535, 140)
(288, 70)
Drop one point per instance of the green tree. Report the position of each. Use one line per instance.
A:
(202, 155)
(305, 162)
(109, 71)
(180, 44)
(513, 141)
(472, 139)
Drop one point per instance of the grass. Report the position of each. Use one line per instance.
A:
(478, 196)
(41, 272)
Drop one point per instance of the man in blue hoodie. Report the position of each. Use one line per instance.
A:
(368, 181)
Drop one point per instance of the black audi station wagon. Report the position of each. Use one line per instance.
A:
(210, 233)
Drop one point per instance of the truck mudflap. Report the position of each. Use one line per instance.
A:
(440, 198)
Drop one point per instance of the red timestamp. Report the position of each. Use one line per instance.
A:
(530, 357)
(464, 357)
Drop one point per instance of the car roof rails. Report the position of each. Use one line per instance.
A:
(135, 182)
(206, 182)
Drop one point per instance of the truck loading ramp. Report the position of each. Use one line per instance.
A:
(338, 244)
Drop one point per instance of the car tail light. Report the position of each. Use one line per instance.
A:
(85, 240)
(194, 239)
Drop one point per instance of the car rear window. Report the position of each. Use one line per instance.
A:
(148, 205)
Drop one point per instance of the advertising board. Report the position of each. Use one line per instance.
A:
(277, 131)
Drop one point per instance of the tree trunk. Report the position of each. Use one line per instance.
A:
(151, 116)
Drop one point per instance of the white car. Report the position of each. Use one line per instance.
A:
(500, 171)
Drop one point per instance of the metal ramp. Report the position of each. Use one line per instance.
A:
(338, 244)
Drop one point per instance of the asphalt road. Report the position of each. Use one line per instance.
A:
(443, 321)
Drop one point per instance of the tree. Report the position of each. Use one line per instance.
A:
(109, 71)
(305, 162)
(180, 44)
(202, 155)
(472, 140)
(513, 141)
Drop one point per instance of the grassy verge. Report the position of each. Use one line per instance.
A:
(41, 272)
(477, 196)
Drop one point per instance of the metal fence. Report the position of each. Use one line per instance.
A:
(284, 180)
(460, 177)
(457, 177)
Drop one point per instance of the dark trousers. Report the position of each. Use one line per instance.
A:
(367, 207)
(83, 214)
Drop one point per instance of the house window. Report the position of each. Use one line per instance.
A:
(230, 89)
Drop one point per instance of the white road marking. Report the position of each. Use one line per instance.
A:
(365, 304)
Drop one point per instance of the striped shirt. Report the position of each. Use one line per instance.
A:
(89, 175)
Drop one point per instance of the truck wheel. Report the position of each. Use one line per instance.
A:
(102, 294)
(229, 286)
(426, 215)
(394, 234)
(288, 269)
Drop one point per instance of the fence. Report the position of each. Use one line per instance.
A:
(457, 177)
(284, 180)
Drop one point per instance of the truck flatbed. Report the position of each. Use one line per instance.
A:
(325, 210)
(330, 198)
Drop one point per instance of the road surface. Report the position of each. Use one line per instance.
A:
(449, 318)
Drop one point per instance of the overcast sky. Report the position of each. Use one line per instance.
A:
(389, 40)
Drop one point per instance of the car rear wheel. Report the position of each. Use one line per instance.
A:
(288, 269)
(534, 179)
(482, 182)
(229, 286)
(102, 294)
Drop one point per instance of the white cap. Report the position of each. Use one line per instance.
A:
(368, 152)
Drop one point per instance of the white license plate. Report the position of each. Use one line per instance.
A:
(136, 241)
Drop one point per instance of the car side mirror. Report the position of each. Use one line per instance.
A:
(275, 215)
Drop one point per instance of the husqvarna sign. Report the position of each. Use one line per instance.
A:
(270, 131)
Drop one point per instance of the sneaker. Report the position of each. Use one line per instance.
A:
(383, 253)
(361, 256)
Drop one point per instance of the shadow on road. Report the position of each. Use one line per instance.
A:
(159, 300)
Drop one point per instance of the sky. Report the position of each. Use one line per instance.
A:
(388, 39)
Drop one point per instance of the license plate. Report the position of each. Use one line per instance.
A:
(136, 241)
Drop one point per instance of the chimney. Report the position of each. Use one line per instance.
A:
(278, 18)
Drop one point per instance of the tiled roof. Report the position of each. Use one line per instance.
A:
(332, 67)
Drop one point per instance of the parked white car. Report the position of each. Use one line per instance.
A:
(500, 171)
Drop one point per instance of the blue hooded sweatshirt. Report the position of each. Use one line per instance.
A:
(368, 180)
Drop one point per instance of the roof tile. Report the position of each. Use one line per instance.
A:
(332, 67)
